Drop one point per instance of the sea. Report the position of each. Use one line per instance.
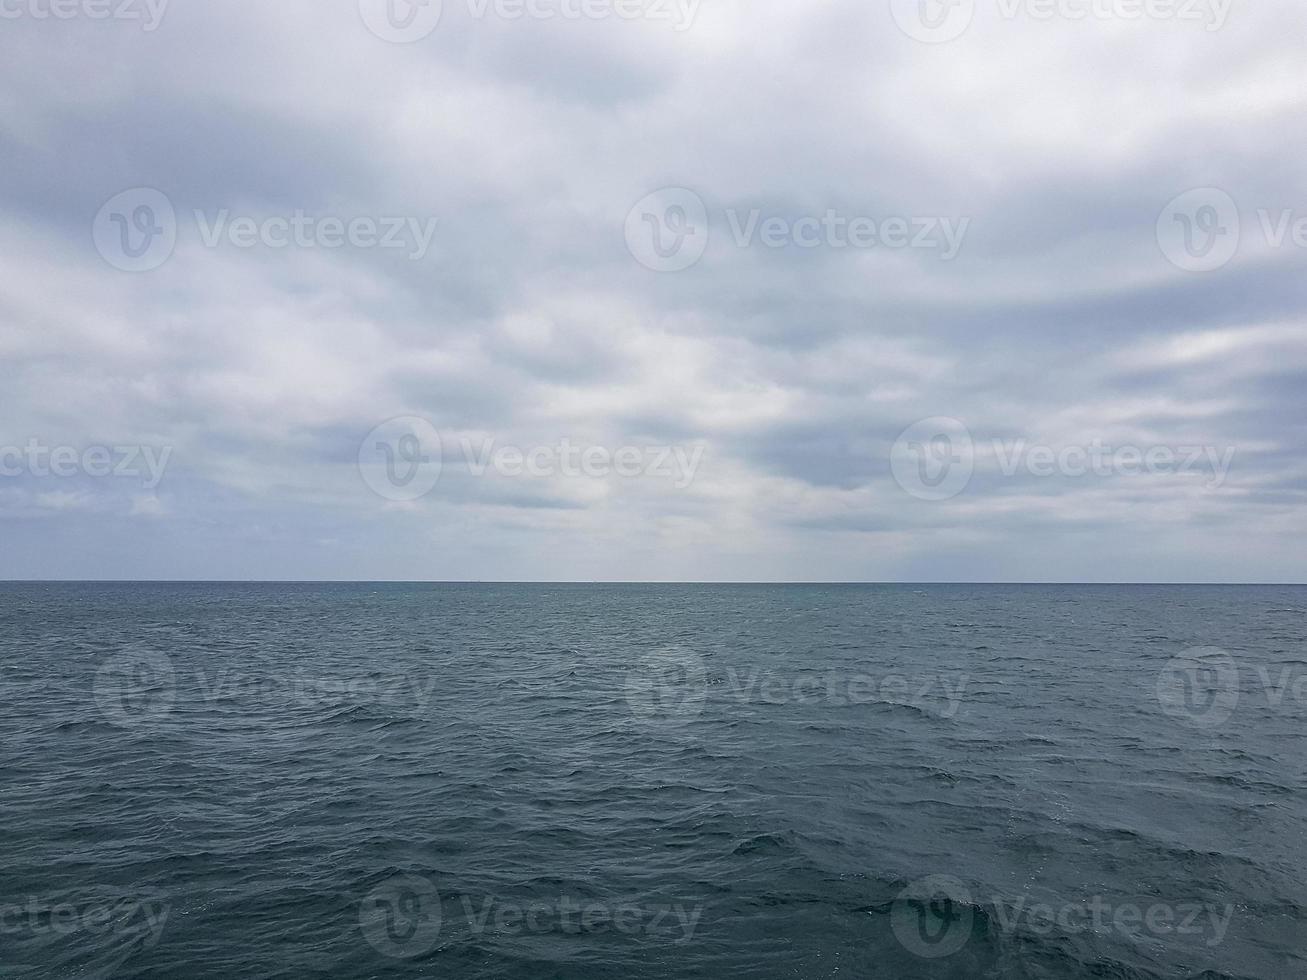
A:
(627, 781)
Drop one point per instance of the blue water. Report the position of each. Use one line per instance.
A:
(598, 781)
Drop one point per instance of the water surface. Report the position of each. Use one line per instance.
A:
(591, 781)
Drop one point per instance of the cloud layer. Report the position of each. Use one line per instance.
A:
(781, 240)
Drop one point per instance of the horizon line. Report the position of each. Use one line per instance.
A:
(777, 582)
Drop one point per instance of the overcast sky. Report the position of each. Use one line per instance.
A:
(650, 289)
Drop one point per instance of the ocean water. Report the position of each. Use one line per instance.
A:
(594, 781)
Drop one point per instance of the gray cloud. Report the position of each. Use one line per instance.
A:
(1060, 322)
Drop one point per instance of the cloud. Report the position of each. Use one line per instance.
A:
(795, 368)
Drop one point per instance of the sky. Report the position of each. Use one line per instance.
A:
(729, 290)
